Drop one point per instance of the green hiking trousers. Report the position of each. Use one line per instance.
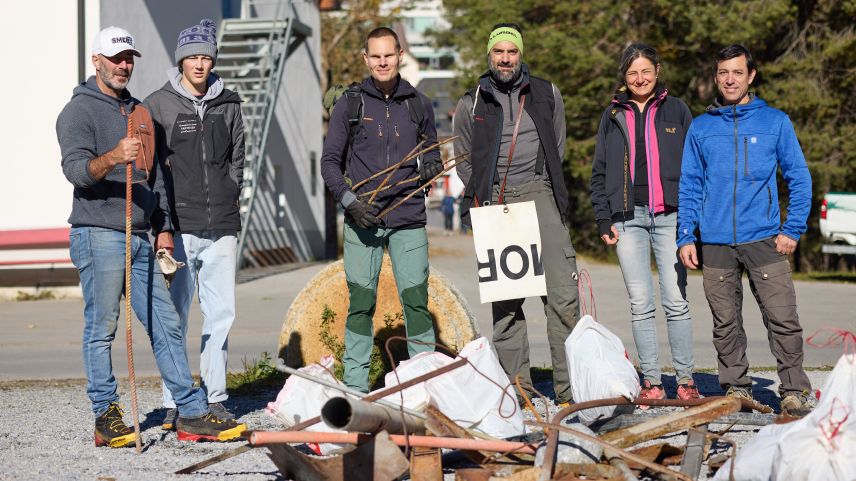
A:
(408, 251)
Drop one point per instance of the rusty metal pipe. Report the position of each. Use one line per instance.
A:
(357, 416)
(261, 438)
(347, 390)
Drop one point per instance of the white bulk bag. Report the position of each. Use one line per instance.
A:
(473, 401)
(301, 399)
(822, 445)
(599, 369)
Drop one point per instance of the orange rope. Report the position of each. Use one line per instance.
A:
(129, 170)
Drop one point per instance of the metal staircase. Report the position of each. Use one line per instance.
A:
(252, 53)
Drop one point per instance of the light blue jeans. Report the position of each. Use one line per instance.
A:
(99, 255)
(211, 260)
(636, 237)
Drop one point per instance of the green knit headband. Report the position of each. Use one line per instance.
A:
(502, 34)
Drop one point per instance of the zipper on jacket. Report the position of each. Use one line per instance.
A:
(205, 177)
(625, 182)
(736, 170)
(511, 108)
(745, 157)
(387, 137)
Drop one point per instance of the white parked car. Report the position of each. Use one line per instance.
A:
(838, 218)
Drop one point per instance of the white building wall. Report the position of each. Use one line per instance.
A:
(35, 193)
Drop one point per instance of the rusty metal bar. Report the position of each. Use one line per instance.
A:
(262, 438)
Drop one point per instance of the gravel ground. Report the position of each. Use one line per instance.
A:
(46, 433)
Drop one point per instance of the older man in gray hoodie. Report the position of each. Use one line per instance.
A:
(201, 135)
(99, 133)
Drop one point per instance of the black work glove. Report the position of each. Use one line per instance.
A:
(363, 213)
(430, 169)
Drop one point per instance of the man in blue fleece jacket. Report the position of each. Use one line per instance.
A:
(728, 192)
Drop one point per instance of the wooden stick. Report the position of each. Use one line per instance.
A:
(673, 422)
(402, 161)
(392, 172)
(405, 181)
(388, 210)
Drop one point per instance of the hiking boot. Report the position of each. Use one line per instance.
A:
(111, 430)
(169, 419)
(688, 390)
(220, 411)
(797, 403)
(740, 392)
(208, 428)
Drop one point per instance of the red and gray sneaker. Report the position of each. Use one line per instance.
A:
(651, 391)
(688, 390)
(208, 428)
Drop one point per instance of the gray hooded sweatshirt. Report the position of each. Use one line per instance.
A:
(90, 125)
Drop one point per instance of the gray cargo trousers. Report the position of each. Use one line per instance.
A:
(771, 284)
(561, 305)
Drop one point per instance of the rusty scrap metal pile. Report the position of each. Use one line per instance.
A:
(387, 442)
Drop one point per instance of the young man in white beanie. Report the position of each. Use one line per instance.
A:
(200, 133)
(93, 134)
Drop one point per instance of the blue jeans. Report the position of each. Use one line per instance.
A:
(636, 237)
(99, 255)
(211, 260)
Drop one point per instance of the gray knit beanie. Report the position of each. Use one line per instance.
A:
(197, 40)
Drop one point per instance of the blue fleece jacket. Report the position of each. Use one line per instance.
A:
(728, 176)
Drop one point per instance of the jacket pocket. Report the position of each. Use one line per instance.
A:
(745, 157)
(769, 200)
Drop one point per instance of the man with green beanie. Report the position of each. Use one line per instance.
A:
(513, 125)
(201, 135)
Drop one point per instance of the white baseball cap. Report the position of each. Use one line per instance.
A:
(113, 40)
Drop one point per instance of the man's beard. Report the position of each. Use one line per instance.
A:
(112, 81)
(504, 76)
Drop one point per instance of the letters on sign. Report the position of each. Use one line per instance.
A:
(508, 252)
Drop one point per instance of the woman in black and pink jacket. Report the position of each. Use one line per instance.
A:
(634, 193)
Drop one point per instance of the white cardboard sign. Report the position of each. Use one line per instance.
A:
(508, 251)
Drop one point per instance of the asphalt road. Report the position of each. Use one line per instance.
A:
(42, 339)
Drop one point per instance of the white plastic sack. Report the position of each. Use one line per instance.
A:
(301, 399)
(415, 397)
(472, 401)
(599, 369)
(822, 445)
(755, 459)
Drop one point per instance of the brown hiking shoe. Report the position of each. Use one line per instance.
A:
(798, 403)
(111, 430)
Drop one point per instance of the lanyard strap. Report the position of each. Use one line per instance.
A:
(511, 147)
